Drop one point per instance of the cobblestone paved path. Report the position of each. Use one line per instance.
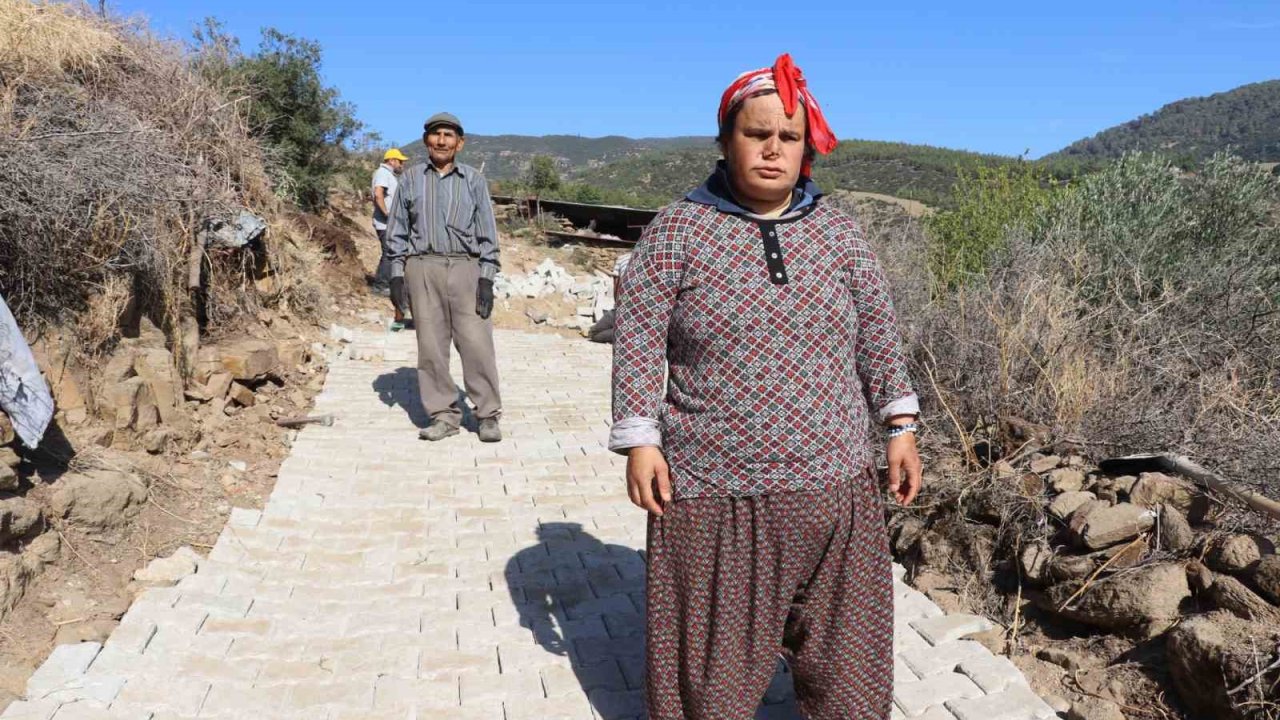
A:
(393, 578)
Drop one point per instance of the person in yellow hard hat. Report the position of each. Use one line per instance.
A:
(384, 190)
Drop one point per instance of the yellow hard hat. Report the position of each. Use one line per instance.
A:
(394, 154)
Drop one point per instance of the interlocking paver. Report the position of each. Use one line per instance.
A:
(392, 578)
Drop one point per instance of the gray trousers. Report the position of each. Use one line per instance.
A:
(442, 294)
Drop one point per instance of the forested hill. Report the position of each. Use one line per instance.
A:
(916, 172)
(1245, 120)
(505, 157)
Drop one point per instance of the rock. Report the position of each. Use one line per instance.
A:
(155, 367)
(1034, 562)
(1146, 598)
(1060, 704)
(1124, 483)
(1266, 577)
(1044, 463)
(1068, 502)
(934, 550)
(253, 359)
(102, 437)
(241, 395)
(9, 458)
(1228, 593)
(206, 363)
(1066, 568)
(292, 353)
(1068, 659)
(1110, 525)
(18, 518)
(537, 316)
(1075, 461)
(1108, 495)
(1199, 577)
(1032, 485)
(1238, 553)
(1066, 480)
(7, 433)
(166, 572)
(126, 402)
(1175, 532)
(905, 534)
(17, 571)
(1080, 516)
(1122, 557)
(218, 385)
(9, 480)
(1153, 489)
(1092, 708)
(238, 465)
(156, 441)
(987, 506)
(1209, 654)
(98, 498)
(44, 550)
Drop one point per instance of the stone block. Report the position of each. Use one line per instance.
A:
(1018, 702)
(65, 664)
(939, 630)
(917, 697)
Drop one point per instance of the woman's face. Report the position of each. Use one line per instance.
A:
(765, 151)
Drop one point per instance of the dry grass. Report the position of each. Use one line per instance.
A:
(115, 150)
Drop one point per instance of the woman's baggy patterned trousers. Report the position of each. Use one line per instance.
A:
(735, 582)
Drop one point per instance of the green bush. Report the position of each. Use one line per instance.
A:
(987, 203)
(304, 124)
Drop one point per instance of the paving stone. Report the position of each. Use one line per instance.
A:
(66, 663)
(938, 630)
(31, 710)
(1018, 702)
(917, 697)
(388, 579)
(945, 658)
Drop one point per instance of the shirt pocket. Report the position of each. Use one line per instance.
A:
(460, 219)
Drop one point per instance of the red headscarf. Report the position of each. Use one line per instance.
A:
(787, 79)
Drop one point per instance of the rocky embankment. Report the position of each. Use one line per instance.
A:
(1138, 557)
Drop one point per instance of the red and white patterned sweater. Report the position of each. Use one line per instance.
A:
(778, 336)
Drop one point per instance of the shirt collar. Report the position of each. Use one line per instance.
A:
(715, 192)
(457, 168)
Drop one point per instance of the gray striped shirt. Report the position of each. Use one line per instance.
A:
(442, 215)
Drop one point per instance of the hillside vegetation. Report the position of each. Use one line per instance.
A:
(507, 157)
(1244, 121)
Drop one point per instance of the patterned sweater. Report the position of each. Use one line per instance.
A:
(774, 337)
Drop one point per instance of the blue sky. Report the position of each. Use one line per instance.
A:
(1004, 77)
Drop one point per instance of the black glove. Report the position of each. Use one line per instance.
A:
(484, 298)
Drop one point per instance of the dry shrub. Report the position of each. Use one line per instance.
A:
(1139, 312)
(113, 151)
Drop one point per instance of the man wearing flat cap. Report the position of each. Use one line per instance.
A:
(443, 241)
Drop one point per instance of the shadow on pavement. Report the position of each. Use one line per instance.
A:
(400, 389)
(584, 600)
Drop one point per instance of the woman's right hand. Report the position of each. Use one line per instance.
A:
(648, 479)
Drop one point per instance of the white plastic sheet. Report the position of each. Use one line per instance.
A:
(24, 395)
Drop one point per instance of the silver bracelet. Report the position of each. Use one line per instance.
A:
(897, 430)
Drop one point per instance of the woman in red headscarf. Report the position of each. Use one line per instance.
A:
(756, 349)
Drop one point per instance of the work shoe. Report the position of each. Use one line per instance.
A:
(397, 325)
(489, 430)
(437, 431)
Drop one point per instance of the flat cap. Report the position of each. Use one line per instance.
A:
(443, 118)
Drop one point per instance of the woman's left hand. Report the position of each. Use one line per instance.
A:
(905, 468)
